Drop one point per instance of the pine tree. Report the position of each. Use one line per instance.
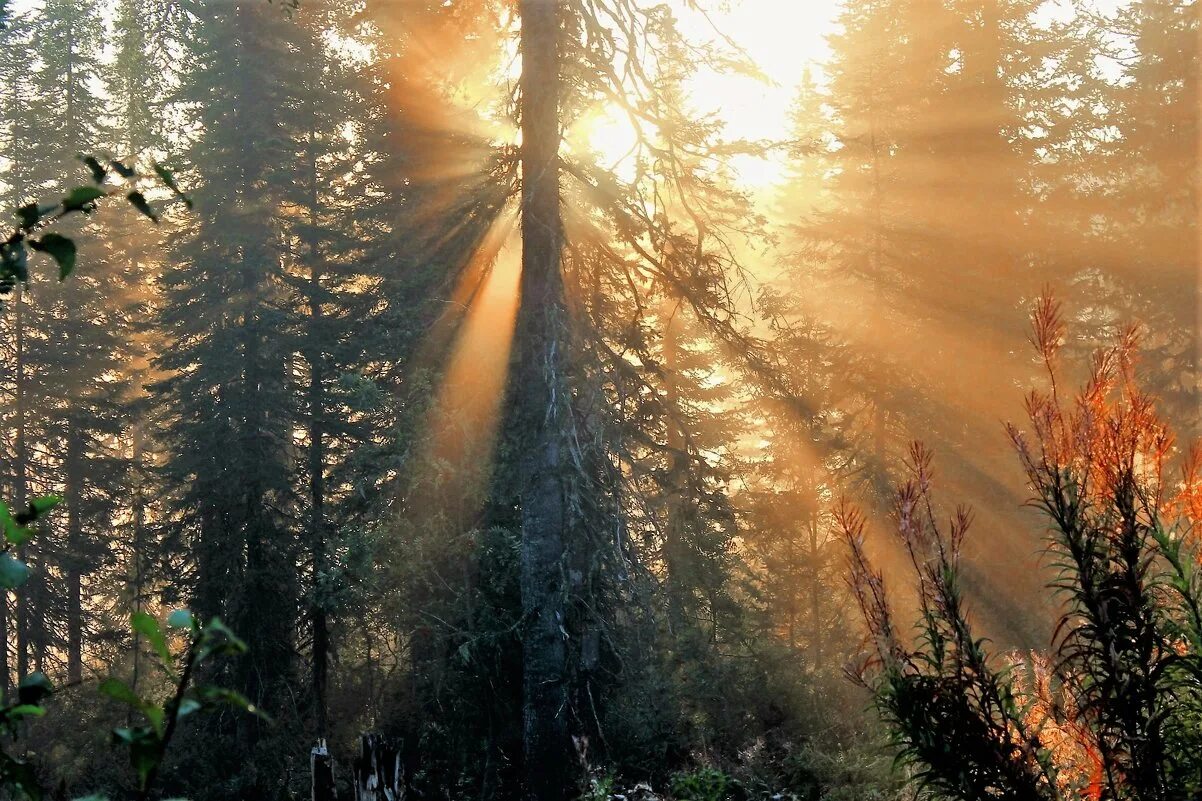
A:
(226, 384)
(68, 368)
(331, 242)
(1150, 245)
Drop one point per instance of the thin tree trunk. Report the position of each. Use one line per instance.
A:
(817, 635)
(541, 397)
(674, 548)
(21, 482)
(74, 492)
(5, 677)
(316, 391)
(139, 525)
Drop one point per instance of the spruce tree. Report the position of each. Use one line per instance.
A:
(227, 385)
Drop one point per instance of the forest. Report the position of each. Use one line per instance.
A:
(614, 400)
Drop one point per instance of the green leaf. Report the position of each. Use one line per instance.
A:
(16, 527)
(33, 688)
(233, 698)
(180, 619)
(148, 627)
(166, 176)
(14, 533)
(17, 535)
(42, 505)
(168, 179)
(145, 749)
(29, 215)
(126, 736)
(187, 707)
(216, 638)
(140, 203)
(60, 248)
(26, 711)
(99, 173)
(13, 572)
(121, 169)
(119, 691)
(155, 715)
(82, 198)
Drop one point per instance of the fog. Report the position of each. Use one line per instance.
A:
(503, 374)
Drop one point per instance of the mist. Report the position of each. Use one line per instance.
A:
(549, 399)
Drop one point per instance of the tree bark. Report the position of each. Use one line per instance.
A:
(75, 557)
(138, 513)
(321, 766)
(21, 483)
(677, 488)
(541, 397)
(378, 775)
(318, 617)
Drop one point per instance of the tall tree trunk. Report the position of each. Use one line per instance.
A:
(5, 676)
(75, 560)
(817, 634)
(137, 580)
(317, 612)
(21, 482)
(678, 466)
(541, 397)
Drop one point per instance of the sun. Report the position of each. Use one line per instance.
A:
(784, 40)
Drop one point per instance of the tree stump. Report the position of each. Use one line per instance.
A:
(321, 766)
(378, 774)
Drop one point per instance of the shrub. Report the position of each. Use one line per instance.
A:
(1113, 712)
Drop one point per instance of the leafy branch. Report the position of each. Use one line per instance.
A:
(147, 743)
(33, 219)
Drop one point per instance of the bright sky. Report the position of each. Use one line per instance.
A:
(784, 37)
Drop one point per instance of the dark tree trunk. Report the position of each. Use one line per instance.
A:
(21, 485)
(5, 677)
(817, 629)
(675, 555)
(317, 612)
(321, 766)
(378, 775)
(137, 581)
(541, 398)
(75, 557)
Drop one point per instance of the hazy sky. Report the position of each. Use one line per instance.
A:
(784, 37)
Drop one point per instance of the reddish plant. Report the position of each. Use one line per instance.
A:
(1115, 711)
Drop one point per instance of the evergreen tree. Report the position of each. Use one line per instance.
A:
(1150, 241)
(69, 346)
(227, 384)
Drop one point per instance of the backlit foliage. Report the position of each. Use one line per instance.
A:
(1113, 710)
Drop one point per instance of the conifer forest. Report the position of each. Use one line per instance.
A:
(600, 400)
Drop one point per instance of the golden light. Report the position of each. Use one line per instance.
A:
(784, 40)
(465, 417)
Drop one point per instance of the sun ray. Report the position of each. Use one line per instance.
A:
(466, 414)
